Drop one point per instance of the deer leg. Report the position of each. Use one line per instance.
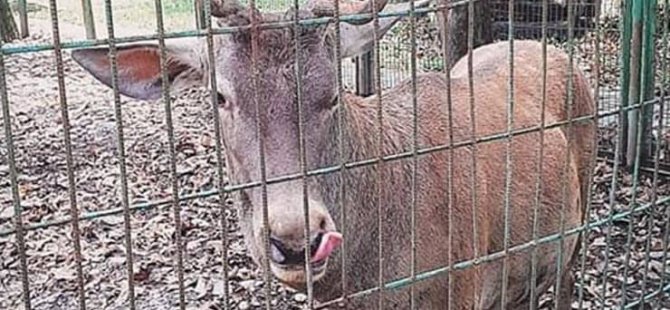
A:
(565, 294)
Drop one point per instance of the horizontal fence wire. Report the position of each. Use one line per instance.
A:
(10, 49)
(20, 228)
(426, 275)
(333, 169)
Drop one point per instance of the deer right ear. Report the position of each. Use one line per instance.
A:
(359, 39)
(139, 70)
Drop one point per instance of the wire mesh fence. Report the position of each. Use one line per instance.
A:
(128, 209)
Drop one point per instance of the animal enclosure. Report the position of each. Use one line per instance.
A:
(117, 203)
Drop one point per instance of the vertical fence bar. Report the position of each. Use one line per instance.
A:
(23, 18)
(450, 160)
(625, 64)
(176, 204)
(508, 154)
(74, 210)
(261, 121)
(376, 80)
(415, 147)
(540, 158)
(645, 93)
(665, 43)
(594, 155)
(341, 127)
(303, 155)
(122, 153)
(656, 158)
(14, 183)
(657, 149)
(214, 101)
(475, 147)
(89, 22)
(569, 105)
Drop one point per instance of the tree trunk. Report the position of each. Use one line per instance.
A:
(456, 26)
(8, 30)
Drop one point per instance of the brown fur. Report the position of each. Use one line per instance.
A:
(477, 287)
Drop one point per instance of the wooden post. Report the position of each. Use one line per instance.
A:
(23, 18)
(199, 14)
(457, 25)
(8, 31)
(89, 22)
(364, 75)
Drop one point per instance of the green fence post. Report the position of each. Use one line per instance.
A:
(634, 73)
(641, 75)
(647, 79)
(626, 26)
(89, 22)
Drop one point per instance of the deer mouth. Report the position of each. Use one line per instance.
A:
(295, 275)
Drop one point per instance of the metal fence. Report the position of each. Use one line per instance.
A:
(626, 59)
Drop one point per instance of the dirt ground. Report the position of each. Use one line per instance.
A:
(638, 263)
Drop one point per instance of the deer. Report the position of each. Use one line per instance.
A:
(359, 223)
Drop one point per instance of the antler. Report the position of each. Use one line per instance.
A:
(347, 7)
(224, 8)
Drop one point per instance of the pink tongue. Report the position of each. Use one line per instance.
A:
(329, 243)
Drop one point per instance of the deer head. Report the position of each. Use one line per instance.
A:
(275, 90)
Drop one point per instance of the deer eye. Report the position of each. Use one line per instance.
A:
(223, 103)
(333, 101)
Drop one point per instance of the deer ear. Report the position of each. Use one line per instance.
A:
(358, 39)
(139, 70)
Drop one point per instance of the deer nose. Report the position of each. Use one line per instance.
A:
(287, 231)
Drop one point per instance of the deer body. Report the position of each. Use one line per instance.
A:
(432, 207)
(459, 216)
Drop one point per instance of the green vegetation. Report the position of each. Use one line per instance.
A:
(138, 16)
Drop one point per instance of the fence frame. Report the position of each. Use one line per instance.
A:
(637, 65)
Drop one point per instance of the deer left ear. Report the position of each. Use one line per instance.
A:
(139, 70)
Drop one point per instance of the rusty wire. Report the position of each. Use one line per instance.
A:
(74, 210)
(75, 217)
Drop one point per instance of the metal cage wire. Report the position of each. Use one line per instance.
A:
(629, 104)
